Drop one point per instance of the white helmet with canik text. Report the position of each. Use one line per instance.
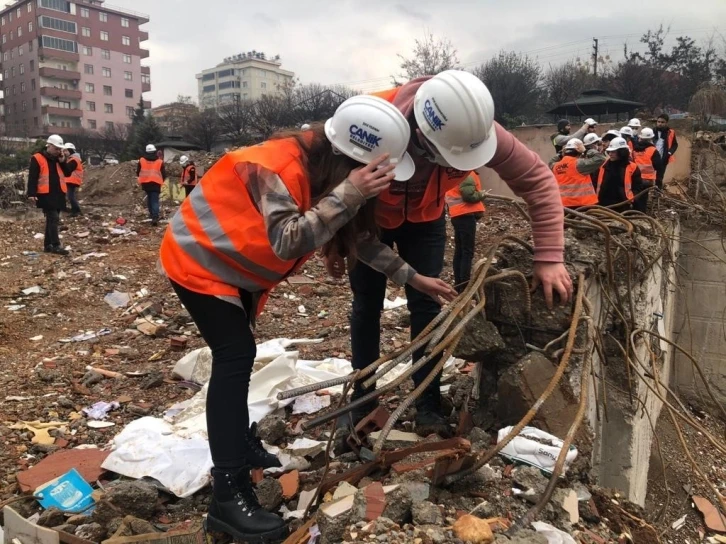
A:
(647, 134)
(365, 127)
(455, 113)
(618, 143)
(55, 141)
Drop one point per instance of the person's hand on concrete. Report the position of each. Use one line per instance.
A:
(552, 277)
(371, 180)
(434, 287)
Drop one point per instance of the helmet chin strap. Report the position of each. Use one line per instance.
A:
(430, 151)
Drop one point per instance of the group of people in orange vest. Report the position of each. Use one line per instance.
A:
(617, 170)
(54, 173)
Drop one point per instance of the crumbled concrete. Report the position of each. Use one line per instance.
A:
(530, 480)
(436, 533)
(398, 505)
(481, 340)
(480, 439)
(269, 493)
(137, 499)
(426, 513)
(66, 528)
(419, 491)
(91, 531)
(271, 428)
(51, 518)
(524, 536)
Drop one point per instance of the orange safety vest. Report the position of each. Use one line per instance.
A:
(456, 204)
(393, 210)
(671, 137)
(217, 242)
(44, 176)
(628, 181)
(186, 178)
(76, 178)
(150, 171)
(575, 188)
(644, 160)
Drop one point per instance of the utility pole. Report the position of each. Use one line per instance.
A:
(595, 54)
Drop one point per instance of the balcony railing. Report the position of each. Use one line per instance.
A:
(55, 92)
(62, 131)
(143, 36)
(59, 74)
(145, 87)
(62, 112)
(144, 54)
(146, 70)
(48, 53)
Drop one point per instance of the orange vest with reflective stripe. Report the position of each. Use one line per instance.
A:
(456, 203)
(217, 242)
(76, 178)
(186, 177)
(575, 188)
(644, 160)
(393, 210)
(44, 176)
(671, 137)
(627, 182)
(150, 171)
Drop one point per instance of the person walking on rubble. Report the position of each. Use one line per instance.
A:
(257, 215)
(75, 179)
(189, 174)
(619, 179)
(453, 132)
(151, 174)
(47, 188)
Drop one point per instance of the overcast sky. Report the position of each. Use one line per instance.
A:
(356, 43)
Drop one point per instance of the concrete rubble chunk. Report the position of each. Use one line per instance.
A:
(525, 536)
(91, 531)
(269, 493)
(419, 491)
(369, 502)
(435, 533)
(480, 341)
(343, 490)
(137, 499)
(51, 518)
(531, 481)
(426, 513)
(398, 505)
(271, 428)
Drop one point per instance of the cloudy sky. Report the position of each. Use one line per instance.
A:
(356, 43)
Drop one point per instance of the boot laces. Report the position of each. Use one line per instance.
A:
(245, 496)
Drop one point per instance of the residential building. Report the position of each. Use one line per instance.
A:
(70, 64)
(171, 118)
(247, 76)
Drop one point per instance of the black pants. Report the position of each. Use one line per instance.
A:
(152, 203)
(464, 243)
(422, 246)
(188, 189)
(641, 203)
(52, 221)
(72, 189)
(226, 330)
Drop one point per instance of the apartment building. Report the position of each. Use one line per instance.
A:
(172, 117)
(70, 64)
(247, 76)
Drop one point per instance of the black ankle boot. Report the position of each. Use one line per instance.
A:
(428, 414)
(234, 509)
(257, 455)
(352, 418)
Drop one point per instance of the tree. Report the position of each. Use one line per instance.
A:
(139, 113)
(315, 102)
(708, 101)
(270, 114)
(513, 80)
(114, 139)
(565, 82)
(203, 128)
(234, 121)
(180, 114)
(430, 56)
(86, 142)
(143, 133)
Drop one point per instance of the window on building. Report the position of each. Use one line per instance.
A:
(20, 50)
(130, 111)
(107, 90)
(20, 31)
(124, 22)
(5, 38)
(85, 13)
(12, 71)
(22, 86)
(60, 44)
(88, 69)
(64, 104)
(22, 69)
(32, 84)
(12, 35)
(128, 76)
(209, 88)
(32, 65)
(90, 88)
(18, 13)
(30, 25)
(30, 7)
(225, 73)
(103, 16)
(207, 77)
(125, 40)
(108, 108)
(88, 51)
(15, 91)
(244, 84)
(86, 31)
(109, 124)
(146, 78)
(127, 59)
(30, 45)
(10, 16)
(6, 56)
(35, 103)
(105, 54)
(35, 121)
(92, 124)
(57, 5)
(106, 72)
(104, 36)
(12, 53)
(90, 106)
(25, 106)
(57, 24)
(129, 93)
(2, 21)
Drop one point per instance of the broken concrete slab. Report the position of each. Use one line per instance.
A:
(481, 340)
(271, 428)
(343, 490)
(398, 505)
(86, 461)
(426, 513)
(18, 529)
(369, 502)
(137, 499)
(269, 493)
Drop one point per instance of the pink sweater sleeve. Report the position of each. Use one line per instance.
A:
(528, 176)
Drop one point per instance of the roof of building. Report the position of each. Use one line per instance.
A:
(595, 102)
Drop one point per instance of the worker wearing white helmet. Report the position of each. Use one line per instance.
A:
(47, 188)
(591, 126)
(189, 174)
(650, 163)
(75, 179)
(619, 178)
(634, 124)
(151, 174)
(573, 173)
(454, 132)
(628, 134)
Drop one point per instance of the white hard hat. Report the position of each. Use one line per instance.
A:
(590, 122)
(365, 127)
(69, 145)
(647, 134)
(151, 148)
(618, 143)
(634, 122)
(183, 160)
(55, 140)
(613, 132)
(590, 139)
(573, 143)
(305, 127)
(455, 112)
(626, 131)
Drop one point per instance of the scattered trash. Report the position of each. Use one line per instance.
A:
(39, 236)
(86, 336)
(94, 254)
(17, 399)
(86, 459)
(680, 522)
(301, 310)
(36, 338)
(100, 424)
(536, 448)
(15, 307)
(101, 409)
(398, 302)
(117, 299)
(552, 534)
(310, 403)
(35, 290)
(68, 493)
(712, 516)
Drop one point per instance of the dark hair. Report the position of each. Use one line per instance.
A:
(623, 154)
(664, 116)
(326, 170)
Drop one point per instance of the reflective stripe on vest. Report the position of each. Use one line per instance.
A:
(150, 171)
(76, 178)
(456, 204)
(627, 182)
(644, 160)
(44, 176)
(186, 178)
(217, 243)
(575, 188)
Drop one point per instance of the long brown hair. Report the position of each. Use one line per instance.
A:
(326, 170)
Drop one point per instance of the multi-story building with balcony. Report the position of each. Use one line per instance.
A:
(247, 76)
(70, 64)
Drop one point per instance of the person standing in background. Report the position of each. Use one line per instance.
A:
(666, 143)
(189, 174)
(151, 175)
(75, 179)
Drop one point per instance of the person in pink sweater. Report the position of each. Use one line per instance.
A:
(452, 133)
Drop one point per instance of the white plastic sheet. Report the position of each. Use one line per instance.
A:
(552, 534)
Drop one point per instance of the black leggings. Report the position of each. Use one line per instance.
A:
(464, 244)
(226, 329)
